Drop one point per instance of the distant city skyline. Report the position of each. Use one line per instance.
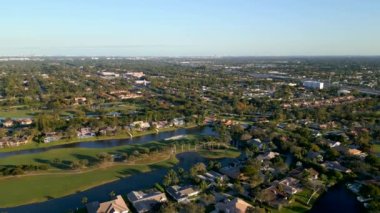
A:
(190, 28)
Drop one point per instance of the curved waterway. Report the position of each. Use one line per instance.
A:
(116, 142)
(122, 186)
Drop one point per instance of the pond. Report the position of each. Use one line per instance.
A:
(101, 193)
(338, 199)
(206, 130)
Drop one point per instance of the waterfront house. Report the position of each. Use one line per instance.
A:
(51, 136)
(182, 193)
(85, 132)
(179, 121)
(237, 205)
(145, 202)
(25, 121)
(140, 125)
(116, 205)
(8, 123)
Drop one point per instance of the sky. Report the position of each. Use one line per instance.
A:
(189, 27)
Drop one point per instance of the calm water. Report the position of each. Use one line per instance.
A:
(101, 193)
(338, 199)
(117, 142)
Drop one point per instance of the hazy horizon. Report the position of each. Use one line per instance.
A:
(198, 28)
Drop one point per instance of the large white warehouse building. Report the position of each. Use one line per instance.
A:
(313, 84)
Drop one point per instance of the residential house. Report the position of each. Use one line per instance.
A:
(107, 130)
(315, 156)
(232, 172)
(213, 177)
(335, 165)
(333, 144)
(12, 142)
(142, 82)
(357, 152)
(114, 114)
(141, 125)
(160, 124)
(145, 202)
(267, 156)
(108, 75)
(134, 74)
(182, 193)
(273, 197)
(236, 205)
(80, 100)
(256, 142)
(85, 132)
(116, 205)
(26, 121)
(179, 121)
(210, 120)
(300, 173)
(51, 136)
(8, 123)
(290, 185)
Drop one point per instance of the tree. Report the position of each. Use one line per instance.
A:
(171, 178)
(198, 168)
(192, 208)
(3, 132)
(112, 194)
(203, 185)
(84, 200)
(239, 188)
(104, 157)
(245, 137)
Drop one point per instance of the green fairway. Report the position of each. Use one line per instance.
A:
(72, 154)
(60, 179)
(225, 153)
(28, 189)
(17, 113)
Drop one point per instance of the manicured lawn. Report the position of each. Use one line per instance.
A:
(17, 113)
(213, 154)
(298, 205)
(295, 207)
(376, 148)
(28, 189)
(72, 154)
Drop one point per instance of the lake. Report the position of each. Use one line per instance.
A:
(338, 199)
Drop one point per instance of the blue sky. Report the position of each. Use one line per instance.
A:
(190, 27)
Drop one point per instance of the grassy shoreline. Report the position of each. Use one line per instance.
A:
(34, 145)
(58, 184)
(49, 186)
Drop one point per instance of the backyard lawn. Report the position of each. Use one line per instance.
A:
(376, 148)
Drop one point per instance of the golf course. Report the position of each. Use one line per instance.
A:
(70, 170)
